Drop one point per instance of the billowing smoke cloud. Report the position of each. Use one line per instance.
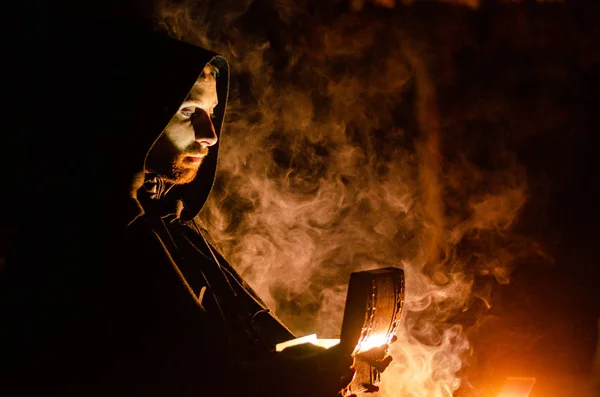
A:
(334, 159)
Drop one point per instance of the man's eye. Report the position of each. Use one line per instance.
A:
(187, 112)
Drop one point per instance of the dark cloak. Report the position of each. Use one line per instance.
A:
(101, 281)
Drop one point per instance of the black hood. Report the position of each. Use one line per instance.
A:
(111, 90)
(172, 67)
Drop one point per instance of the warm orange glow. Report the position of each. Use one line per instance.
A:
(312, 338)
(327, 343)
(517, 387)
(374, 340)
(318, 178)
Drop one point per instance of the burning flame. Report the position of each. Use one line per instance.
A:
(373, 340)
(333, 161)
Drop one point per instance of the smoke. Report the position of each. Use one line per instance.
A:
(334, 160)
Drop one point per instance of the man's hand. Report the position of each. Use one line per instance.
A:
(301, 371)
(311, 371)
(316, 371)
(378, 358)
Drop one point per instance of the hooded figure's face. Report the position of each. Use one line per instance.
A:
(178, 153)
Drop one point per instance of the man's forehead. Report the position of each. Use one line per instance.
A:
(206, 84)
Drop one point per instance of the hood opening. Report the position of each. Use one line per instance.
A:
(194, 194)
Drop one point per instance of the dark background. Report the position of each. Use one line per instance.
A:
(543, 59)
(542, 63)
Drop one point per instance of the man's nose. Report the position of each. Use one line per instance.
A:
(204, 130)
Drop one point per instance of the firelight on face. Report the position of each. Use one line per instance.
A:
(184, 143)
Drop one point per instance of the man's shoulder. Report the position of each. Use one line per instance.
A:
(204, 232)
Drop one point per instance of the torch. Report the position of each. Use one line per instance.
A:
(372, 313)
(371, 316)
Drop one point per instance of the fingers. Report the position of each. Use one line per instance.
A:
(370, 388)
(374, 354)
(379, 365)
(383, 364)
(377, 357)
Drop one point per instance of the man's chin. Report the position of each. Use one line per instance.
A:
(183, 174)
(186, 178)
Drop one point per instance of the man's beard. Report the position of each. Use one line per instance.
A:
(182, 169)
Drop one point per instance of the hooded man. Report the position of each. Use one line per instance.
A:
(113, 287)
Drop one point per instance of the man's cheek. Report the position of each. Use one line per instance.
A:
(180, 138)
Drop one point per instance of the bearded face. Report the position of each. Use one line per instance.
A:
(178, 153)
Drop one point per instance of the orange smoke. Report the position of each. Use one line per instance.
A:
(333, 161)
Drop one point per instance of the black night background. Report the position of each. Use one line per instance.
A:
(514, 108)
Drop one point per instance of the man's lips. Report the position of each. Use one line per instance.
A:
(195, 158)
